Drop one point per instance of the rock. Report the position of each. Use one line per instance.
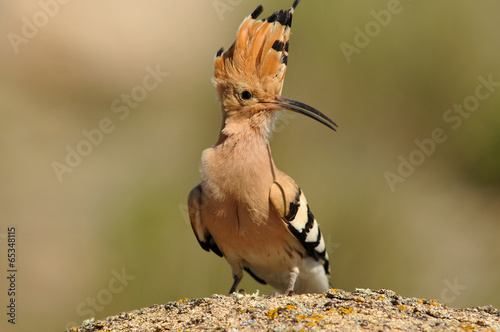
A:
(370, 310)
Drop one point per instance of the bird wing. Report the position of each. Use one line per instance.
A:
(195, 205)
(290, 202)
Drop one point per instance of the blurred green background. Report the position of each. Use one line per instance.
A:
(122, 209)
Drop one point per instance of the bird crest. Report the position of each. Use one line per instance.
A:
(260, 52)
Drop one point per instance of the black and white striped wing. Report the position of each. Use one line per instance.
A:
(301, 222)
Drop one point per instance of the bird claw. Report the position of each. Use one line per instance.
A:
(273, 295)
(239, 292)
(278, 294)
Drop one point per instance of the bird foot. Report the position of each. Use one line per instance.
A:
(273, 295)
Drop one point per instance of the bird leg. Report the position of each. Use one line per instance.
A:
(237, 280)
(294, 273)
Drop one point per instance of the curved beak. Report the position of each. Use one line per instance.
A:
(296, 106)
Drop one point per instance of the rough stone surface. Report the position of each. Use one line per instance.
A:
(362, 310)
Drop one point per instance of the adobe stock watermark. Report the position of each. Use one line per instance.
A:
(48, 9)
(184, 210)
(223, 6)
(451, 290)
(373, 28)
(284, 119)
(93, 304)
(330, 245)
(453, 117)
(121, 107)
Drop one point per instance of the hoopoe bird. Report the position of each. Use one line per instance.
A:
(245, 209)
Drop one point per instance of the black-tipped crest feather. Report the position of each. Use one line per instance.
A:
(257, 12)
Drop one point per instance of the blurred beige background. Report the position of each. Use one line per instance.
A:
(109, 234)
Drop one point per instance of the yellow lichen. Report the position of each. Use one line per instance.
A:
(315, 319)
(468, 327)
(273, 313)
(346, 311)
(402, 307)
(433, 302)
(472, 327)
(430, 302)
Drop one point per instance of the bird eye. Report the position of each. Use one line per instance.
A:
(246, 95)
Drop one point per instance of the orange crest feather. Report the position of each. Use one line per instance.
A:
(260, 52)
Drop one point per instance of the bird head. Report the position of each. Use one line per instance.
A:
(249, 75)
